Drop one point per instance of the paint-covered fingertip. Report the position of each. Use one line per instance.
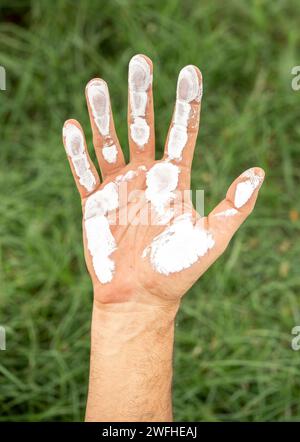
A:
(140, 58)
(139, 74)
(260, 172)
(70, 122)
(95, 82)
(199, 73)
(247, 185)
(189, 84)
(254, 172)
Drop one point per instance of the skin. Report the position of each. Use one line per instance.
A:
(133, 316)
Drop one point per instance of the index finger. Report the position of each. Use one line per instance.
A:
(184, 127)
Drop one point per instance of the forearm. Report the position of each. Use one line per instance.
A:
(131, 363)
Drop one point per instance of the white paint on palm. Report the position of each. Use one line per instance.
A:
(179, 246)
(142, 167)
(128, 176)
(100, 240)
(161, 182)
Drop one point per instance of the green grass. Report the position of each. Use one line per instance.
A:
(233, 359)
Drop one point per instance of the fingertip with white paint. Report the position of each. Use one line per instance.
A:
(83, 170)
(186, 114)
(139, 84)
(247, 185)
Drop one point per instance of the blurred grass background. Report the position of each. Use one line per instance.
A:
(233, 359)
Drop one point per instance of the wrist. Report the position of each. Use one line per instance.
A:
(138, 302)
(110, 296)
(113, 323)
(131, 362)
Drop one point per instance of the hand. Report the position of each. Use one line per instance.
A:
(128, 257)
(144, 242)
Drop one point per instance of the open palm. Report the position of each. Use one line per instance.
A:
(142, 236)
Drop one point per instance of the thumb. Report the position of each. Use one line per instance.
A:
(240, 200)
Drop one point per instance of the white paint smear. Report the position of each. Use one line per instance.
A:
(129, 175)
(245, 189)
(101, 244)
(100, 241)
(166, 217)
(100, 105)
(110, 153)
(228, 212)
(142, 167)
(178, 246)
(139, 79)
(161, 181)
(140, 131)
(99, 101)
(76, 150)
(189, 89)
